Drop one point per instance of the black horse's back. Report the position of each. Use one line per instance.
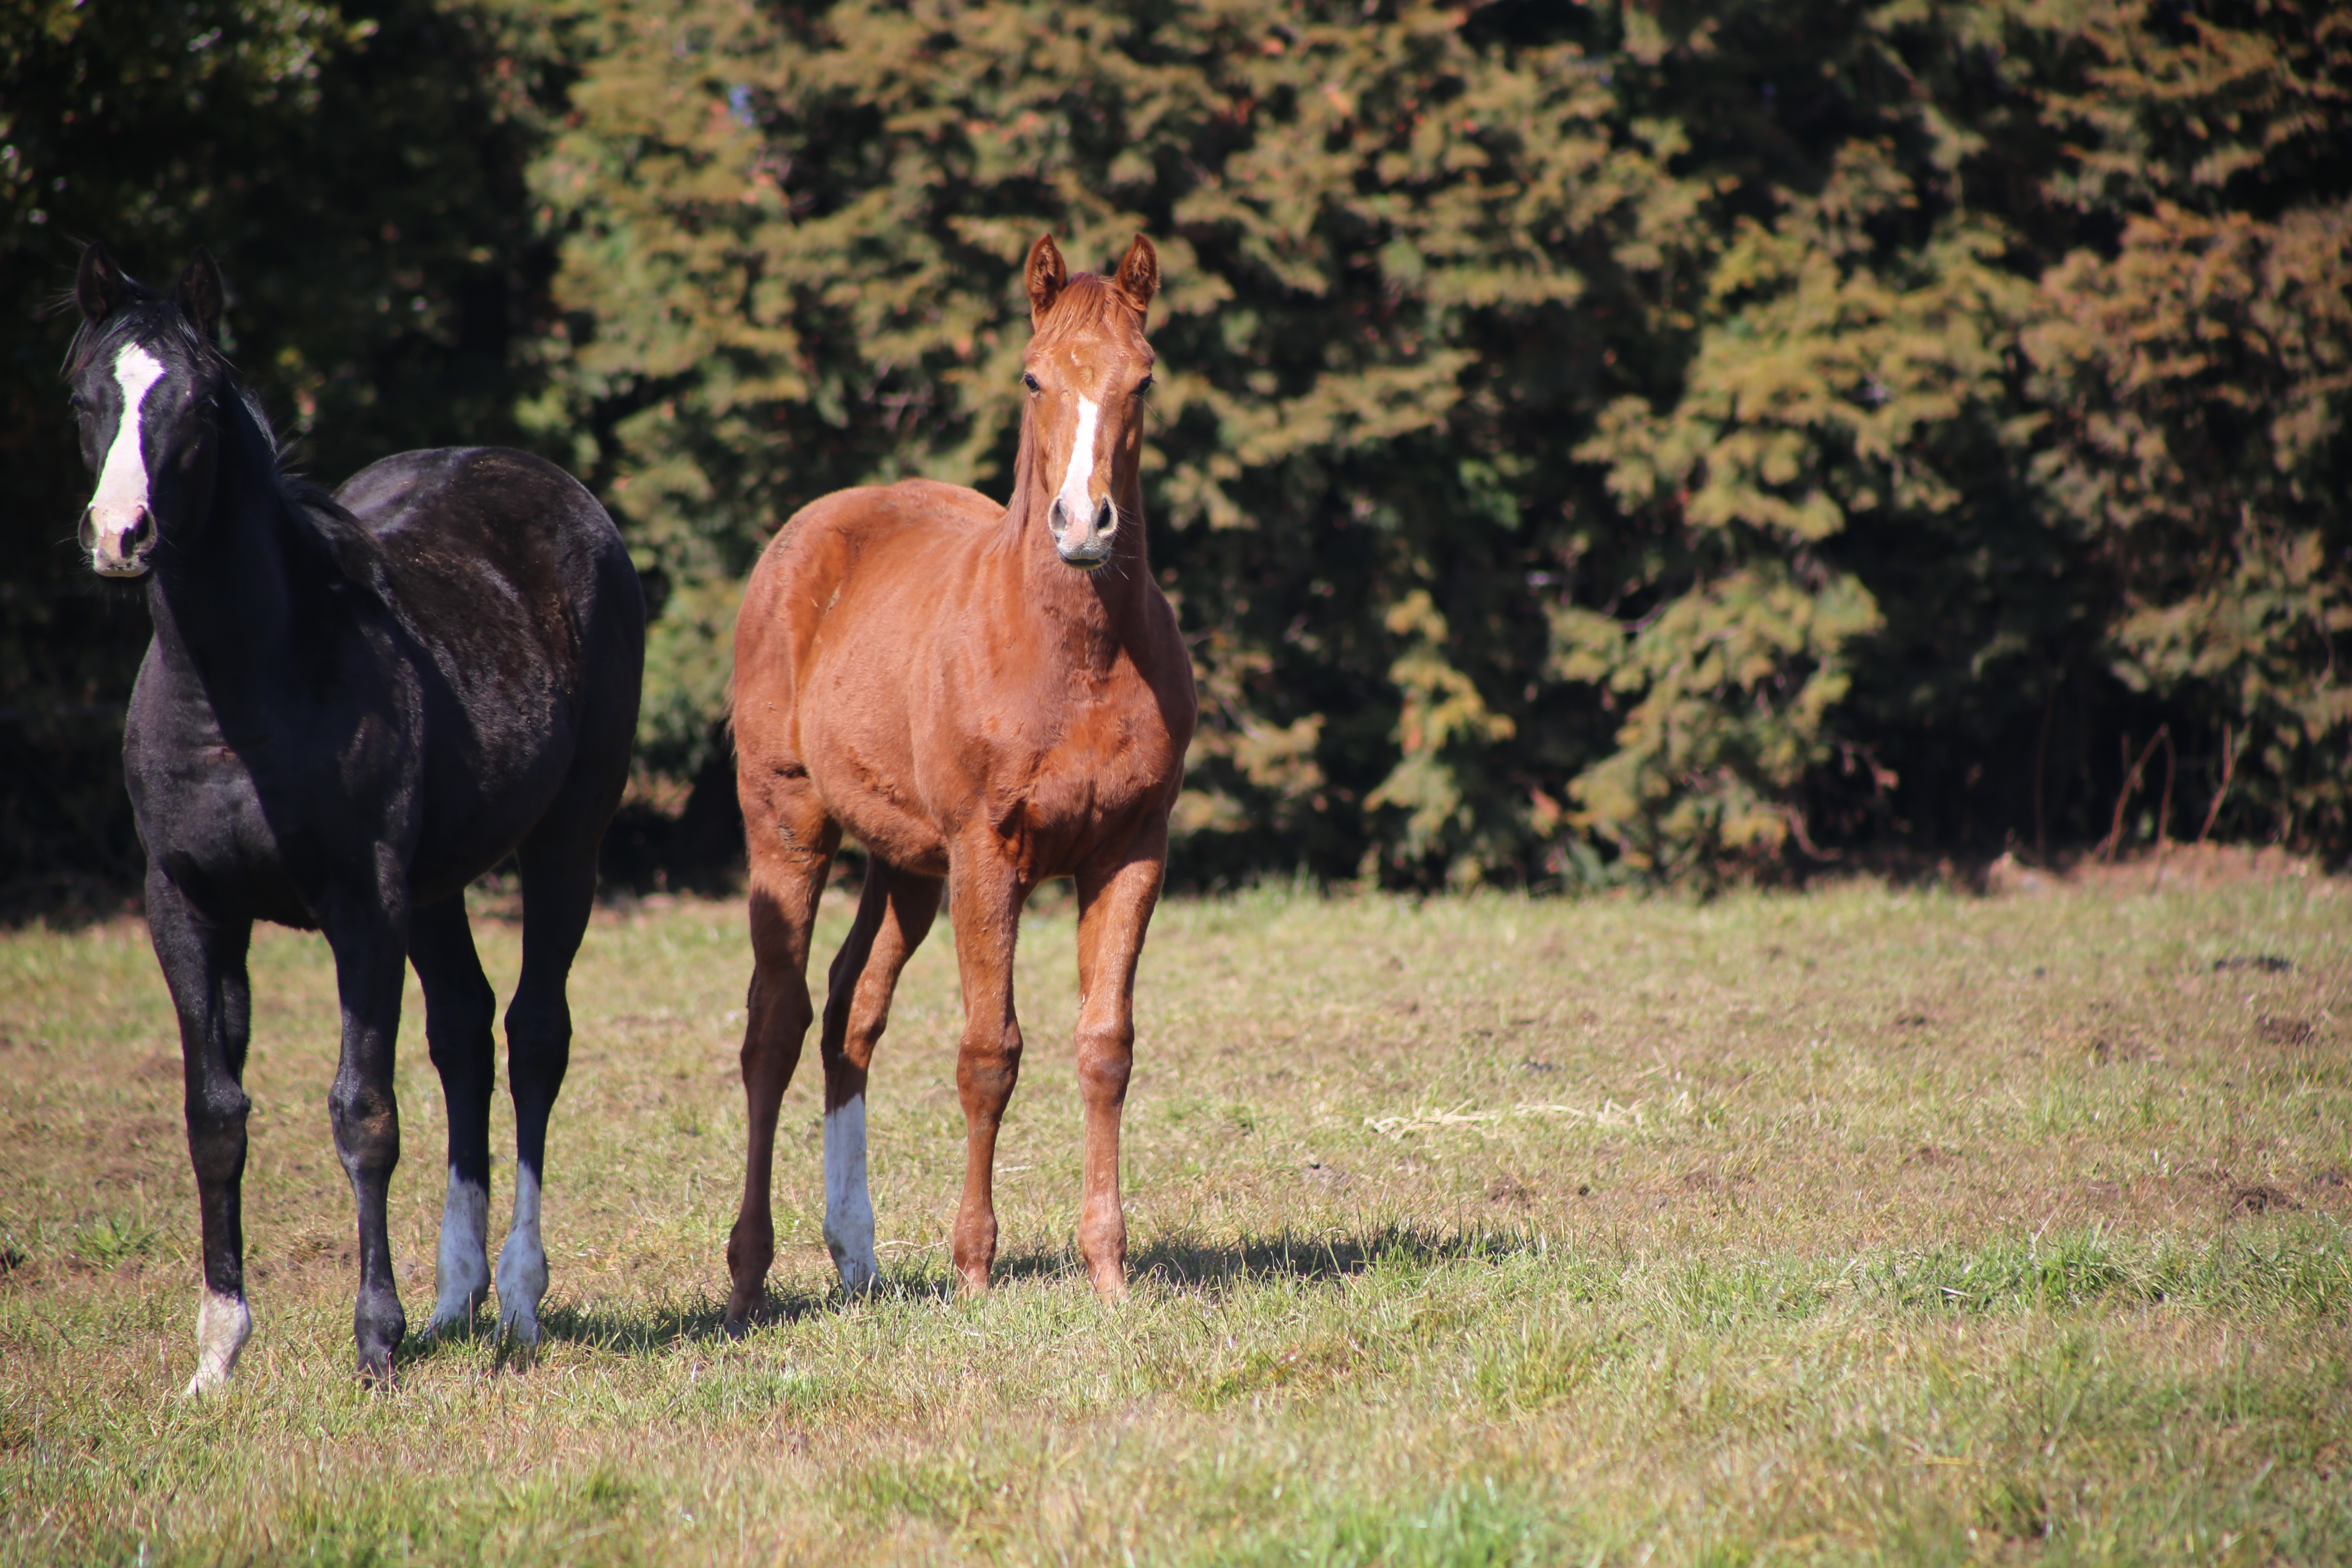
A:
(518, 586)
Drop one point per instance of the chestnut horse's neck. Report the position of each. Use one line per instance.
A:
(1104, 600)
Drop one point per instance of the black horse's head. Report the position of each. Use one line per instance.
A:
(147, 378)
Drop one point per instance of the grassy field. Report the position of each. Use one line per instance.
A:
(1866, 1226)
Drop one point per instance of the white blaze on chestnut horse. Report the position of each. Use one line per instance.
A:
(984, 697)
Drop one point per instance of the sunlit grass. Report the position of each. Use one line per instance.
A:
(1868, 1226)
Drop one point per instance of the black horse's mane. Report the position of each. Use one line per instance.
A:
(324, 525)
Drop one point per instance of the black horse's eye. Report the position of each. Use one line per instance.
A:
(1030, 381)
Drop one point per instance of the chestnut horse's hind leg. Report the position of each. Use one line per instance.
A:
(985, 907)
(1114, 904)
(788, 872)
(894, 914)
(203, 964)
(459, 1010)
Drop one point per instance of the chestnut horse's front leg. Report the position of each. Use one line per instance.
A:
(984, 901)
(1115, 897)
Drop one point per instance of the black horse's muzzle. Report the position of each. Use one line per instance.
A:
(118, 552)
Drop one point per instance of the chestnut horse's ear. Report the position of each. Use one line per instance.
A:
(1139, 273)
(198, 294)
(99, 286)
(1047, 275)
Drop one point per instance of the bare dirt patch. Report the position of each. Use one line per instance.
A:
(2176, 867)
(2260, 1198)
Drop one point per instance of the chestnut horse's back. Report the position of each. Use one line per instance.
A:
(806, 568)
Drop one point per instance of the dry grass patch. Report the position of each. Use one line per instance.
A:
(1863, 1226)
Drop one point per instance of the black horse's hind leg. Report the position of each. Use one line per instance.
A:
(459, 1008)
(203, 964)
(370, 941)
(559, 885)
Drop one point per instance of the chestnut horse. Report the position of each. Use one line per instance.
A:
(984, 697)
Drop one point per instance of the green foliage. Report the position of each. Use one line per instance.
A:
(358, 168)
(1705, 437)
(792, 264)
(1592, 442)
(2195, 377)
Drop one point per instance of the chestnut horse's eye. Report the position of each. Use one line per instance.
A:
(1030, 381)
(1143, 386)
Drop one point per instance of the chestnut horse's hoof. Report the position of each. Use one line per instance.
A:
(743, 1304)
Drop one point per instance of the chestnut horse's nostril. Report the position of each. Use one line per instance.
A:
(1105, 517)
(1057, 520)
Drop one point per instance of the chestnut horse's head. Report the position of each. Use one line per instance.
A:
(1085, 372)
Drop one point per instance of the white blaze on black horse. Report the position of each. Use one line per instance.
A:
(352, 706)
(116, 521)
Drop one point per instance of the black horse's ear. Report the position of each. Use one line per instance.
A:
(99, 287)
(198, 294)
(1046, 274)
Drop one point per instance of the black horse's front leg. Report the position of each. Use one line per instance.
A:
(371, 956)
(204, 963)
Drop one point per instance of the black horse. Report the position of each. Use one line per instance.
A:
(352, 706)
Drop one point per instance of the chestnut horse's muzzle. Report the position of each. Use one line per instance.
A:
(1084, 547)
(118, 551)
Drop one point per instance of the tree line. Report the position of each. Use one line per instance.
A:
(1594, 442)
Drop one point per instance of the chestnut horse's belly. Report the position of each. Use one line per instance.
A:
(913, 780)
(870, 793)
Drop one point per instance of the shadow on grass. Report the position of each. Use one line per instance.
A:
(640, 1331)
(1177, 1263)
(1186, 1264)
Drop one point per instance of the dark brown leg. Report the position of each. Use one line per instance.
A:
(791, 843)
(985, 906)
(1115, 903)
(893, 916)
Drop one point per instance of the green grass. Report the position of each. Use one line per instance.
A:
(1860, 1227)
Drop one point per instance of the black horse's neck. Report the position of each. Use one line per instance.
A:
(224, 584)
